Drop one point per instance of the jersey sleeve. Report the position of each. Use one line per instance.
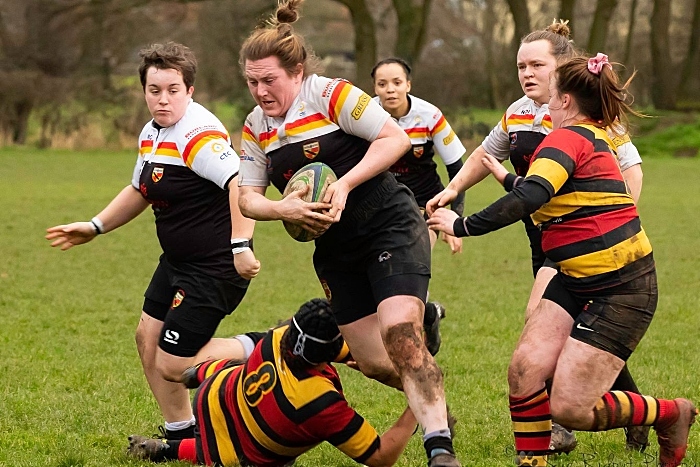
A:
(627, 152)
(446, 142)
(205, 146)
(349, 107)
(497, 142)
(253, 159)
(348, 431)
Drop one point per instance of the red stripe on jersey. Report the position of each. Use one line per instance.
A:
(586, 228)
(417, 129)
(201, 415)
(167, 145)
(520, 117)
(267, 135)
(437, 125)
(600, 165)
(304, 121)
(193, 142)
(334, 99)
(147, 143)
(247, 130)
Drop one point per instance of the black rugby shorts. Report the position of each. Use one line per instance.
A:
(613, 319)
(191, 306)
(379, 250)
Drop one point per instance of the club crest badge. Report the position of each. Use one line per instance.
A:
(179, 297)
(157, 174)
(311, 150)
(418, 151)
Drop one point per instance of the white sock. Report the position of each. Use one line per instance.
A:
(174, 426)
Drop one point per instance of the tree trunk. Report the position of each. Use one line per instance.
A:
(365, 42)
(566, 11)
(521, 18)
(413, 21)
(630, 34)
(22, 109)
(599, 29)
(691, 64)
(662, 82)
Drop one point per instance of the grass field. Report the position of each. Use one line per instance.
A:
(73, 385)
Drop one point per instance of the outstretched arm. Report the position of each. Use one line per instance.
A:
(123, 208)
(471, 173)
(393, 442)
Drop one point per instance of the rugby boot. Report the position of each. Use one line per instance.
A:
(673, 439)
(434, 313)
(563, 441)
(145, 448)
(444, 460)
(637, 438)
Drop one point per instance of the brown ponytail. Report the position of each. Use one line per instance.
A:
(598, 92)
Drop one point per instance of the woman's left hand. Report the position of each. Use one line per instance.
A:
(246, 264)
(442, 220)
(337, 195)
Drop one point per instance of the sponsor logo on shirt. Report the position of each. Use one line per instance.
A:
(157, 174)
(360, 107)
(448, 139)
(311, 150)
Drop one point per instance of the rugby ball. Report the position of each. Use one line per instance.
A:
(317, 176)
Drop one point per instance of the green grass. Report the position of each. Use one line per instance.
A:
(73, 387)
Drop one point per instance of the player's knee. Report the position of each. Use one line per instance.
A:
(520, 371)
(170, 368)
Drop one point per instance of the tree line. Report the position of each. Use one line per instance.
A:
(63, 62)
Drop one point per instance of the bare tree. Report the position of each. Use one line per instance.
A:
(691, 64)
(599, 29)
(663, 91)
(521, 18)
(566, 11)
(630, 33)
(413, 21)
(365, 41)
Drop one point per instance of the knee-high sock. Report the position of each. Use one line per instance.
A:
(622, 408)
(532, 427)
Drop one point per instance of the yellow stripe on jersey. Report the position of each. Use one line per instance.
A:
(562, 205)
(440, 126)
(550, 170)
(218, 420)
(258, 434)
(199, 145)
(308, 127)
(357, 445)
(337, 106)
(532, 426)
(167, 152)
(608, 260)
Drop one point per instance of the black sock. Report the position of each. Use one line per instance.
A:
(624, 382)
(440, 444)
(174, 435)
(431, 314)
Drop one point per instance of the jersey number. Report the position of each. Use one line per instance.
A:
(258, 383)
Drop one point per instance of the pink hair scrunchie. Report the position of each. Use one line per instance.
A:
(596, 64)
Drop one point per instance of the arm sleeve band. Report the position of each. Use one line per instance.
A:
(525, 199)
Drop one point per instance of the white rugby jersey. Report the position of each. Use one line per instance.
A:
(330, 121)
(523, 127)
(429, 131)
(183, 172)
